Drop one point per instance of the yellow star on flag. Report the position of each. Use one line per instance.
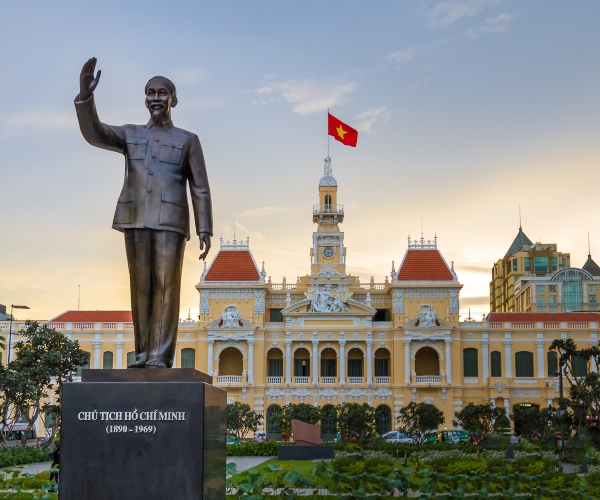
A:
(341, 132)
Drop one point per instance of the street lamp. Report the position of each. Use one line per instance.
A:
(12, 306)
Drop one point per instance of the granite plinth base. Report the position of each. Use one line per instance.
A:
(304, 452)
(143, 434)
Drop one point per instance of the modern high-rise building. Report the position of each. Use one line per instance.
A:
(523, 258)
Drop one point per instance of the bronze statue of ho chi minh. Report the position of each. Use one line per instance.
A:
(152, 210)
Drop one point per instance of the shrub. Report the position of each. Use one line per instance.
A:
(20, 455)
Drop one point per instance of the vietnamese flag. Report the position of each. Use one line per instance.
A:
(341, 132)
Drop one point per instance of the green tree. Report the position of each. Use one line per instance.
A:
(531, 420)
(241, 419)
(353, 418)
(418, 419)
(43, 362)
(301, 411)
(583, 398)
(478, 418)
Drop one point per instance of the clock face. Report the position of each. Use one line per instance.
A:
(328, 252)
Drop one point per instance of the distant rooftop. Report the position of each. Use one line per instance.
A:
(233, 262)
(93, 317)
(424, 262)
(519, 242)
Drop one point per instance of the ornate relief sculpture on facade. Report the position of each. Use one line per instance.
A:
(324, 301)
(427, 317)
(259, 302)
(231, 317)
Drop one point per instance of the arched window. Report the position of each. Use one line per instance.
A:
(496, 358)
(131, 357)
(107, 360)
(470, 362)
(84, 366)
(383, 419)
(579, 366)
(552, 359)
(327, 201)
(188, 358)
(524, 364)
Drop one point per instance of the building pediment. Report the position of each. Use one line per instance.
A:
(351, 308)
(428, 320)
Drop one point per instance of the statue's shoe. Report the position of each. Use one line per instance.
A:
(138, 364)
(156, 363)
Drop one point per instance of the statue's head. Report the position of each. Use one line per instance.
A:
(161, 96)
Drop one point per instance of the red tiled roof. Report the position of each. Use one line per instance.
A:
(501, 317)
(424, 265)
(93, 317)
(233, 265)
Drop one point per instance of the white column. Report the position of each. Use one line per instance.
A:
(448, 362)
(250, 362)
(97, 346)
(369, 362)
(119, 363)
(540, 356)
(315, 363)
(508, 359)
(315, 249)
(342, 362)
(175, 357)
(485, 355)
(407, 362)
(493, 402)
(288, 361)
(507, 406)
(549, 402)
(211, 357)
(342, 248)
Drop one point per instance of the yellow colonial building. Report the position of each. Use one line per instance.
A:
(329, 338)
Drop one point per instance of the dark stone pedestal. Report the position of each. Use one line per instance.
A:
(143, 434)
(304, 452)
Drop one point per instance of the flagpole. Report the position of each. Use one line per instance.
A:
(327, 132)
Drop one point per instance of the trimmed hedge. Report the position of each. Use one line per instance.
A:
(21, 455)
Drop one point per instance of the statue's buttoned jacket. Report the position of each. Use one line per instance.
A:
(159, 162)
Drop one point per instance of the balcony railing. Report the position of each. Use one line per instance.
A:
(382, 380)
(229, 379)
(328, 380)
(328, 209)
(355, 380)
(301, 380)
(429, 378)
(274, 380)
(471, 380)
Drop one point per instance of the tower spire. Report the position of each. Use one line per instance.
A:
(520, 225)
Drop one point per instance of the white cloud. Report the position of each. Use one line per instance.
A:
(445, 13)
(368, 118)
(402, 56)
(50, 120)
(265, 211)
(308, 95)
(492, 25)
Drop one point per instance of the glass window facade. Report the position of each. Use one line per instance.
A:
(382, 368)
(107, 360)
(592, 288)
(571, 288)
(554, 263)
(540, 289)
(526, 264)
(579, 366)
(514, 265)
(131, 358)
(275, 368)
(540, 264)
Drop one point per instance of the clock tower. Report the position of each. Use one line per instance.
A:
(328, 252)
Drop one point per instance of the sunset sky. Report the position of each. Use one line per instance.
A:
(465, 110)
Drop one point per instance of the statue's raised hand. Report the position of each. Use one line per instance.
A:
(87, 82)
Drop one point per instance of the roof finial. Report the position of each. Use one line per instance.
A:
(520, 225)
(589, 248)
(327, 169)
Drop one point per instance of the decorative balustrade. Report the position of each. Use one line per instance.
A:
(301, 380)
(471, 380)
(578, 325)
(522, 325)
(328, 380)
(495, 325)
(328, 209)
(274, 380)
(382, 380)
(84, 326)
(355, 380)
(229, 379)
(58, 326)
(128, 326)
(550, 325)
(436, 379)
(109, 326)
